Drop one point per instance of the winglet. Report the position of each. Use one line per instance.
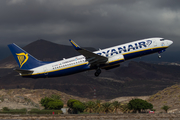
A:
(74, 45)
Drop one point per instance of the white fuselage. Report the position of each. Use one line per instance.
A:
(80, 63)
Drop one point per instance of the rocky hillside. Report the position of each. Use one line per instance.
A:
(30, 98)
(170, 96)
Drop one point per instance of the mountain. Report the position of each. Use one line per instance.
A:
(45, 51)
(136, 79)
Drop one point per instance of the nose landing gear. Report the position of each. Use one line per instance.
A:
(98, 72)
(159, 56)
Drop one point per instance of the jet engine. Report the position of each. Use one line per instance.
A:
(115, 59)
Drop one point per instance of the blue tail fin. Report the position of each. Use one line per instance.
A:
(24, 59)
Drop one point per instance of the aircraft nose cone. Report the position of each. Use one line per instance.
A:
(170, 42)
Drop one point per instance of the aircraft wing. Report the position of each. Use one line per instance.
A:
(90, 56)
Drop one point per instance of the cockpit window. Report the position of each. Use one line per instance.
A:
(162, 39)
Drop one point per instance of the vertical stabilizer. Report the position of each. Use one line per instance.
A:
(24, 59)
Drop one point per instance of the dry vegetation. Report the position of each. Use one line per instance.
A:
(29, 98)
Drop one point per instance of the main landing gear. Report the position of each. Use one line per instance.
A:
(98, 72)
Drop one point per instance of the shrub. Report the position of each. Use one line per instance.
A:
(14, 111)
(70, 103)
(56, 97)
(55, 104)
(24, 110)
(78, 106)
(50, 103)
(6, 109)
(165, 108)
(44, 102)
(75, 105)
(34, 109)
(37, 111)
(139, 104)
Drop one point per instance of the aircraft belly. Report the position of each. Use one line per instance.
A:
(69, 71)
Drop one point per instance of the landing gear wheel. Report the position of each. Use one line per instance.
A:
(98, 72)
(159, 56)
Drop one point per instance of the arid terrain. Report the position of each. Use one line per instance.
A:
(30, 98)
(170, 96)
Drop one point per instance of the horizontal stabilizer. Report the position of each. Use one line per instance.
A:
(24, 71)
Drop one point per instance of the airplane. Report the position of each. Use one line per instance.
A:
(108, 58)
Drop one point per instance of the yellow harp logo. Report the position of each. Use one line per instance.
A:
(22, 57)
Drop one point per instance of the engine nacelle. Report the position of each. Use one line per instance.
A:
(115, 59)
(111, 67)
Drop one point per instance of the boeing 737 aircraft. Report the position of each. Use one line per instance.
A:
(102, 59)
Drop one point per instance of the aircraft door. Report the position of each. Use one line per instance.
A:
(45, 71)
(155, 43)
(163, 43)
